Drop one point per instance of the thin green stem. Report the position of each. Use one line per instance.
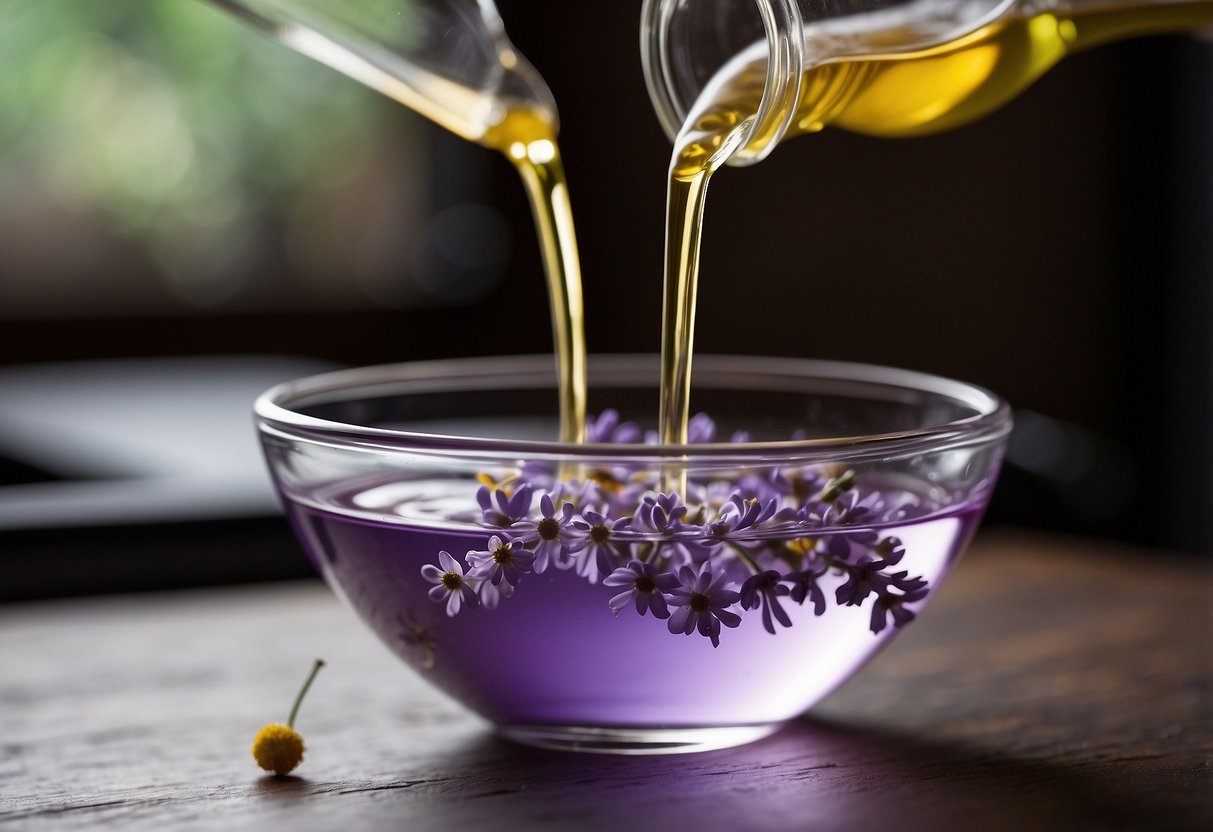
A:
(290, 721)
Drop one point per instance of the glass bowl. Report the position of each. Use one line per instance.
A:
(622, 595)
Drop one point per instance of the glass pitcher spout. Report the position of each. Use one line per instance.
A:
(779, 68)
(449, 60)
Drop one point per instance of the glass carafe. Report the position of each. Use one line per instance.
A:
(449, 60)
(740, 75)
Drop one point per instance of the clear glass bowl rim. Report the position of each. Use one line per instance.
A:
(275, 414)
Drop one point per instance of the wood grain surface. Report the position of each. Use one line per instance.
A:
(1054, 684)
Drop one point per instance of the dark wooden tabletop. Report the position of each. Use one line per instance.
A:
(1054, 684)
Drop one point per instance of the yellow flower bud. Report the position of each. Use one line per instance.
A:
(278, 748)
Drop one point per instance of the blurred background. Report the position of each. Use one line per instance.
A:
(190, 213)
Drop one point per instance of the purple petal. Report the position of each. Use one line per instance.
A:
(709, 626)
(728, 619)
(432, 573)
(657, 606)
(767, 624)
(449, 563)
(621, 600)
(687, 576)
(781, 615)
(623, 576)
(682, 621)
(724, 597)
(878, 622)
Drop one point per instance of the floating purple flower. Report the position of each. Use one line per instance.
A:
(863, 579)
(450, 585)
(842, 547)
(890, 550)
(659, 513)
(894, 605)
(627, 489)
(539, 474)
(743, 515)
(582, 495)
(491, 594)
(505, 561)
(645, 588)
(703, 600)
(799, 485)
(701, 429)
(868, 575)
(500, 508)
(761, 487)
(556, 541)
(661, 516)
(764, 590)
(603, 544)
(805, 587)
(608, 428)
(712, 497)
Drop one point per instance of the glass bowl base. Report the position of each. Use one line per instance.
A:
(635, 741)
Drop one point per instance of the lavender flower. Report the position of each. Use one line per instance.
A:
(765, 590)
(890, 604)
(844, 510)
(761, 487)
(713, 496)
(742, 515)
(703, 601)
(798, 484)
(863, 579)
(505, 561)
(805, 587)
(701, 429)
(646, 588)
(608, 428)
(539, 474)
(450, 585)
(556, 541)
(582, 495)
(868, 575)
(491, 594)
(602, 544)
(807, 519)
(841, 547)
(502, 509)
(662, 515)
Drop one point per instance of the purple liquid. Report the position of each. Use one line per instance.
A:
(554, 654)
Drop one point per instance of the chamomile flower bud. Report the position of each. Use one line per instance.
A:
(279, 748)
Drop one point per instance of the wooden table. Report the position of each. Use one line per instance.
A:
(1054, 684)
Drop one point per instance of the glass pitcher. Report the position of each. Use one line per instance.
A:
(449, 60)
(740, 75)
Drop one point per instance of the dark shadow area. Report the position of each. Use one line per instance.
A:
(44, 563)
(825, 775)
